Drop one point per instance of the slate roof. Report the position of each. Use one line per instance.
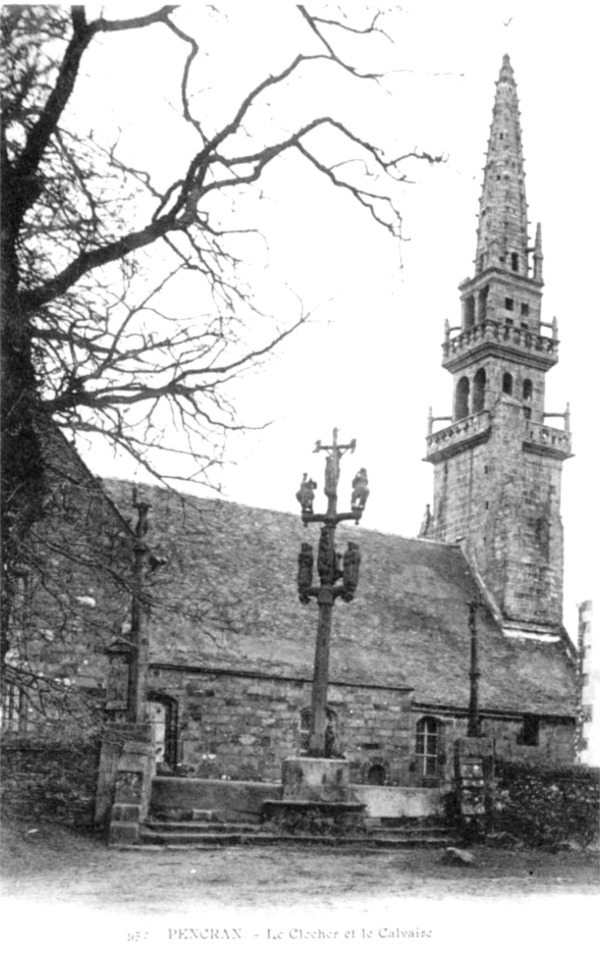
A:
(227, 599)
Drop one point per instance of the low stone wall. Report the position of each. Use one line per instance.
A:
(49, 781)
(231, 799)
(545, 806)
(400, 801)
(241, 800)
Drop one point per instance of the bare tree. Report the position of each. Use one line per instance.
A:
(91, 245)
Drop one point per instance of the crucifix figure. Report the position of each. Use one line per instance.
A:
(331, 567)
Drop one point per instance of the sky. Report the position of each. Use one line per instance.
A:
(368, 362)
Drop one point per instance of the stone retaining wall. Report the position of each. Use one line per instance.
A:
(49, 781)
(544, 806)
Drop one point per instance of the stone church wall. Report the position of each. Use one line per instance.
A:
(552, 741)
(240, 727)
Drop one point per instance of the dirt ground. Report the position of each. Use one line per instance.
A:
(279, 890)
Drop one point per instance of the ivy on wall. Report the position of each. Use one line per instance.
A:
(547, 805)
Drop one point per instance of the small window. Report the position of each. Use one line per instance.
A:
(14, 708)
(461, 399)
(527, 389)
(469, 306)
(514, 262)
(479, 391)
(507, 383)
(376, 775)
(524, 308)
(509, 304)
(482, 303)
(529, 735)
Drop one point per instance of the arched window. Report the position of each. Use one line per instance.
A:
(461, 399)
(428, 747)
(507, 383)
(483, 294)
(478, 403)
(163, 716)
(376, 775)
(469, 312)
(527, 390)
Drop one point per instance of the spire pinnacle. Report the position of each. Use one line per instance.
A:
(502, 229)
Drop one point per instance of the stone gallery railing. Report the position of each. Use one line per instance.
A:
(492, 331)
(463, 429)
(540, 434)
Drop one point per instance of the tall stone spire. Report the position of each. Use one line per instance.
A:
(502, 230)
(497, 466)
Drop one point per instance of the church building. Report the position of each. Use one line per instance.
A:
(498, 466)
(231, 647)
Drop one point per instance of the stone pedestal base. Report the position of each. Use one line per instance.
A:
(473, 777)
(314, 817)
(316, 799)
(315, 779)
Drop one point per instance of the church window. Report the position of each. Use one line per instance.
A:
(469, 312)
(514, 262)
(14, 708)
(376, 775)
(479, 391)
(529, 735)
(483, 294)
(507, 383)
(527, 389)
(428, 746)
(163, 717)
(509, 304)
(461, 401)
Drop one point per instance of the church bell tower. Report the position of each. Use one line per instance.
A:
(497, 465)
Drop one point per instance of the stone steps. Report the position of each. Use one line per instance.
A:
(196, 833)
(200, 826)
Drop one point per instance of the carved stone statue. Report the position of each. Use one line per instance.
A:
(305, 572)
(306, 494)
(351, 567)
(332, 474)
(329, 742)
(426, 524)
(326, 563)
(360, 490)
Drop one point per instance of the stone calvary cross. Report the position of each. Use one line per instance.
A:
(331, 567)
